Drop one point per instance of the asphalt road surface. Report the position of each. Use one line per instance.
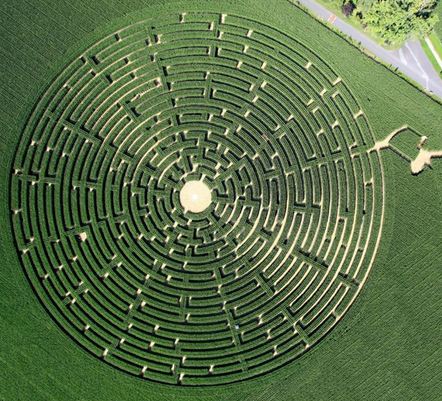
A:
(410, 59)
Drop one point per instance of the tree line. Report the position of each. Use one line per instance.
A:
(393, 21)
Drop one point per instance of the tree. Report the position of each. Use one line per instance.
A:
(397, 20)
(348, 8)
(363, 5)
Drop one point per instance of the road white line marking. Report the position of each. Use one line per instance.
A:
(419, 65)
(402, 57)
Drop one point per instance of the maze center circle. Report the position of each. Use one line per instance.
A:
(196, 200)
(195, 196)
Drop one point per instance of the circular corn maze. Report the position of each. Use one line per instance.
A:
(193, 199)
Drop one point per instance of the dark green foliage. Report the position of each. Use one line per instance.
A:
(348, 8)
(438, 27)
(394, 21)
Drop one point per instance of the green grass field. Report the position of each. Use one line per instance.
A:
(313, 274)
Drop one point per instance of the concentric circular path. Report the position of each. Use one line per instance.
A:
(241, 286)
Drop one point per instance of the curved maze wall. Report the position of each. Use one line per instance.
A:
(252, 282)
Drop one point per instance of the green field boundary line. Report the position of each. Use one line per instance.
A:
(369, 54)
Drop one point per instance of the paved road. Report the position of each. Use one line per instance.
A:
(410, 58)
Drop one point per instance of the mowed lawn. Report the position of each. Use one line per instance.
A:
(388, 345)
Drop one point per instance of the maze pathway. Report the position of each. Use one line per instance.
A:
(266, 268)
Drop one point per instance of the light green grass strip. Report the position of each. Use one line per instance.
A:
(433, 49)
(437, 43)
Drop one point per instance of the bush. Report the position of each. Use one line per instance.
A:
(396, 21)
(348, 8)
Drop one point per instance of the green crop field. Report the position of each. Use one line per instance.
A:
(304, 266)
